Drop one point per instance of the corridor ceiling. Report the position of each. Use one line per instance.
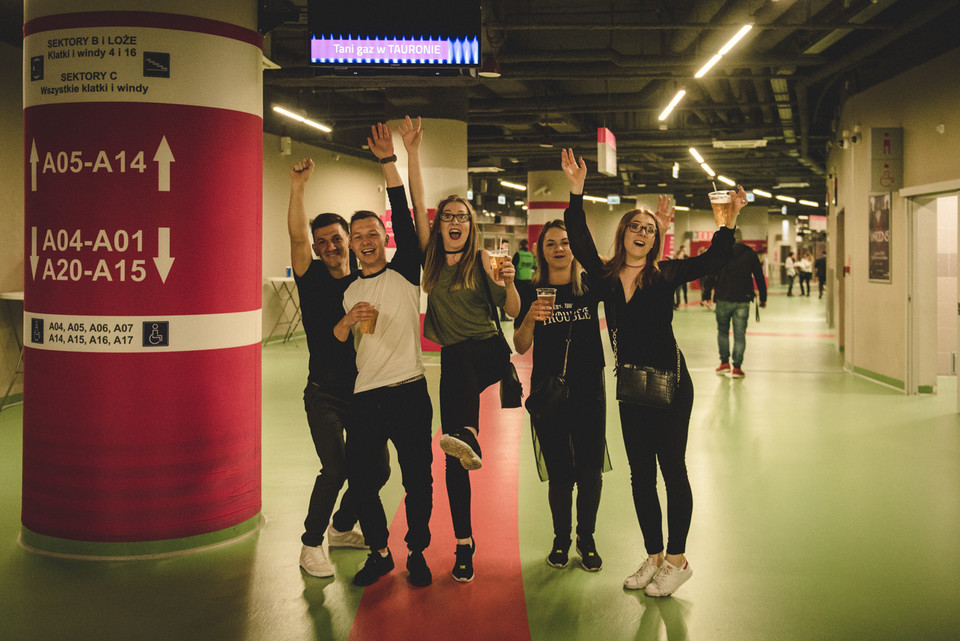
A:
(571, 66)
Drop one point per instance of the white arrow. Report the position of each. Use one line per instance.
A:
(163, 260)
(163, 158)
(34, 159)
(34, 259)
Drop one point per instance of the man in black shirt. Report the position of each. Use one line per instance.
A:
(332, 371)
(733, 293)
(820, 266)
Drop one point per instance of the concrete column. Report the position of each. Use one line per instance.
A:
(143, 144)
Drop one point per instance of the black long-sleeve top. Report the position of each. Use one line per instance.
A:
(646, 322)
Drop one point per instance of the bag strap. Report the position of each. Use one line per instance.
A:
(493, 307)
(566, 352)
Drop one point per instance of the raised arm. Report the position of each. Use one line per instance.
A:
(381, 144)
(298, 227)
(412, 134)
(581, 242)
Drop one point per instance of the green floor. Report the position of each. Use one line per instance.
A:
(826, 507)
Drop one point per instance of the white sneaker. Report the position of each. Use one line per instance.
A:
(642, 577)
(315, 561)
(349, 539)
(666, 581)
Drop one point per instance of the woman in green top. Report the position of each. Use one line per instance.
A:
(460, 319)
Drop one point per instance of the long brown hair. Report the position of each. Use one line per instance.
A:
(542, 277)
(436, 258)
(619, 260)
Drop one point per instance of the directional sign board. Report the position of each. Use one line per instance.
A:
(143, 145)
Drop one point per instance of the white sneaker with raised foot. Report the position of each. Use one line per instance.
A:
(668, 578)
(644, 574)
(349, 539)
(315, 561)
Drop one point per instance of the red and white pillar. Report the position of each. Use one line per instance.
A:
(548, 194)
(143, 144)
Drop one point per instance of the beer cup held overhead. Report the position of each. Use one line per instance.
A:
(722, 203)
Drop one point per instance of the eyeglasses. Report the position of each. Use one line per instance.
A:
(461, 218)
(646, 230)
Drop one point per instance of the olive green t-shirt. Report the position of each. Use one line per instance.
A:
(455, 316)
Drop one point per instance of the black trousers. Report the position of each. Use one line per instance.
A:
(651, 436)
(404, 415)
(573, 443)
(326, 415)
(466, 369)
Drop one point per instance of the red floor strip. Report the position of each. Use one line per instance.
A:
(492, 606)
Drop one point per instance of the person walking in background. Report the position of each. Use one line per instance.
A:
(733, 295)
(805, 267)
(680, 255)
(637, 291)
(332, 371)
(570, 436)
(790, 266)
(525, 263)
(820, 267)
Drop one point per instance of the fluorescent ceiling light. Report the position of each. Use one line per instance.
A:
(735, 39)
(723, 50)
(299, 118)
(707, 169)
(681, 208)
(707, 67)
(518, 203)
(696, 155)
(765, 194)
(727, 181)
(803, 217)
(673, 103)
(793, 185)
(513, 185)
(594, 199)
(484, 170)
(809, 203)
(786, 199)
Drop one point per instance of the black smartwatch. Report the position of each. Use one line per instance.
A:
(384, 161)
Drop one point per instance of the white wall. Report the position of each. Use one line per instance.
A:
(918, 101)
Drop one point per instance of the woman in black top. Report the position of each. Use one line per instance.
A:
(638, 295)
(571, 437)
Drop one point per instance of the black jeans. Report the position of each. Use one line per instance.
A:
(653, 435)
(326, 414)
(404, 415)
(466, 369)
(573, 443)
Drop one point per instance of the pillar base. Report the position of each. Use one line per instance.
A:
(136, 550)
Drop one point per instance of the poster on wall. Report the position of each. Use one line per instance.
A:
(880, 238)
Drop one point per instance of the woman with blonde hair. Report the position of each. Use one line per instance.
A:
(570, 434)
(637, 290)
(460, 282)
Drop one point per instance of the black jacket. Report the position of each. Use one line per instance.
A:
(734, 280)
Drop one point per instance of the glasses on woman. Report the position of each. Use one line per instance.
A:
(639, 228)
(446, 217)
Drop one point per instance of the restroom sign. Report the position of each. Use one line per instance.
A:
(886, 159)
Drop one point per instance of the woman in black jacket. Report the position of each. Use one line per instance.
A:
(638, 299)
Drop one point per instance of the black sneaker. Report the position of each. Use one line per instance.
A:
(587, 549)
(463, 568)
(419, 574)
(559, 556)
(375, 567)
(460, 443)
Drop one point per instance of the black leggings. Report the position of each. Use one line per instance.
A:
(653, 435)
(573, 444)
(466, 369)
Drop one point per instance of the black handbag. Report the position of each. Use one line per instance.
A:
(552, 393)
(642, 384)
(511, 389)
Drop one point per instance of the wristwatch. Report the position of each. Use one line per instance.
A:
(392, 158)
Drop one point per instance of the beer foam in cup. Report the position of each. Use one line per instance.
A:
(720, 197)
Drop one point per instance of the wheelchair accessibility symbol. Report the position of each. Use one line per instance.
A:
(156, 334)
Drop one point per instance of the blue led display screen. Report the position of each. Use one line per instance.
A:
(427, 33)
